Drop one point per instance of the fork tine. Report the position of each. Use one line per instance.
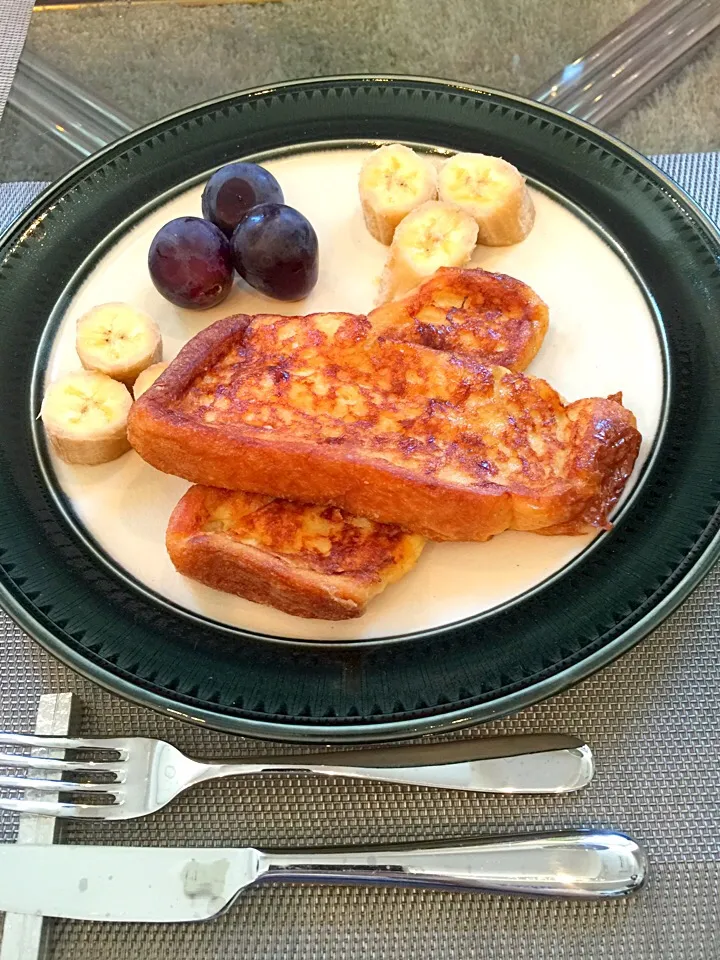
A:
(67, 766)
(115, 744)
(55, 786)
(48, 808)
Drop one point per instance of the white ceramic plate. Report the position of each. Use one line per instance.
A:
(602, 339)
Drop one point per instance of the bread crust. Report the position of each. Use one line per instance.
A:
(274, 569)
(594, 442)
(491, 317)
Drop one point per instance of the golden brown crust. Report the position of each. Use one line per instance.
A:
(302, 560)
(317, 409)
(489, 317)
(606, 443)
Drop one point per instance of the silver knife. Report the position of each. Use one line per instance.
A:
(169, 885)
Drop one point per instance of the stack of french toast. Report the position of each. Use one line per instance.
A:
(325, 450)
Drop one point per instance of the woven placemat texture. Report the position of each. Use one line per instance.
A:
(14, 23)
(651, 718)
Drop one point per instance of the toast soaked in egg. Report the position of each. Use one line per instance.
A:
(310, 561)
(321, 562)
(321, 410)
(490, 317)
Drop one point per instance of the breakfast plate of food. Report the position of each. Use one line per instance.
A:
(356, 408)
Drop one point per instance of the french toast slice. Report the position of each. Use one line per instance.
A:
(490, 317)
(321, 410)
(309, 561)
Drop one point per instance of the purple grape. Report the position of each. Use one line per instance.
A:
(276, 251)
(191, 263)
(236, 188)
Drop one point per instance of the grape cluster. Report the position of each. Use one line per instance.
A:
(246, 226)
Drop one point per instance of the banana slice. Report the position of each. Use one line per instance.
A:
(493, 192)
(393, 181)
(435, 235)
(117, 339)
(148, 377)
(85, 416)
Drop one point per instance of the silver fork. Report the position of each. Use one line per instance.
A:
(144, 775)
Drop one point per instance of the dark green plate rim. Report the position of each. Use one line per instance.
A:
(429, 716)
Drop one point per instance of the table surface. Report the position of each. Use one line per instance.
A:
(151, 59)
(651, 717)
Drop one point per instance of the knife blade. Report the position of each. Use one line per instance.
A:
(166, 885)
(151, 884)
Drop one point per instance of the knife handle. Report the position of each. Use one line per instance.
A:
(586, 865)
(523, 764)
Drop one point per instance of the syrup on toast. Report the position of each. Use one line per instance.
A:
(306, 560)
(321, 410)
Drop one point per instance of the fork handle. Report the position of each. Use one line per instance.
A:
(480, 766)
(583, 864)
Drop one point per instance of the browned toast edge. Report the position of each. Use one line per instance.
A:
(296, 470)
(220, 562)
(299, 470)
(398, 319)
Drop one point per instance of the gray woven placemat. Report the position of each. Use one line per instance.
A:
(651, 717)
(14, 22)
